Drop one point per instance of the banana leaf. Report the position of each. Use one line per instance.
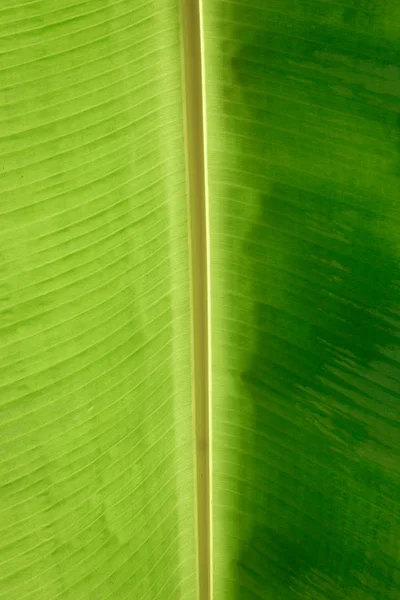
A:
(199, 300)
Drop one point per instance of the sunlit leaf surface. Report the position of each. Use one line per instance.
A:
(97, 497)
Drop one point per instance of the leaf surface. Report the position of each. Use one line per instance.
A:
(303, 104)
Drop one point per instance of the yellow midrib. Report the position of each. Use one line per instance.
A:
(199, 247)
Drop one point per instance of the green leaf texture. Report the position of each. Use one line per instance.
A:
(98, 495)
(303, 102)
(97, 477)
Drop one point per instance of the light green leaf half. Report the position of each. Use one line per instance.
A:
(97, 497)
